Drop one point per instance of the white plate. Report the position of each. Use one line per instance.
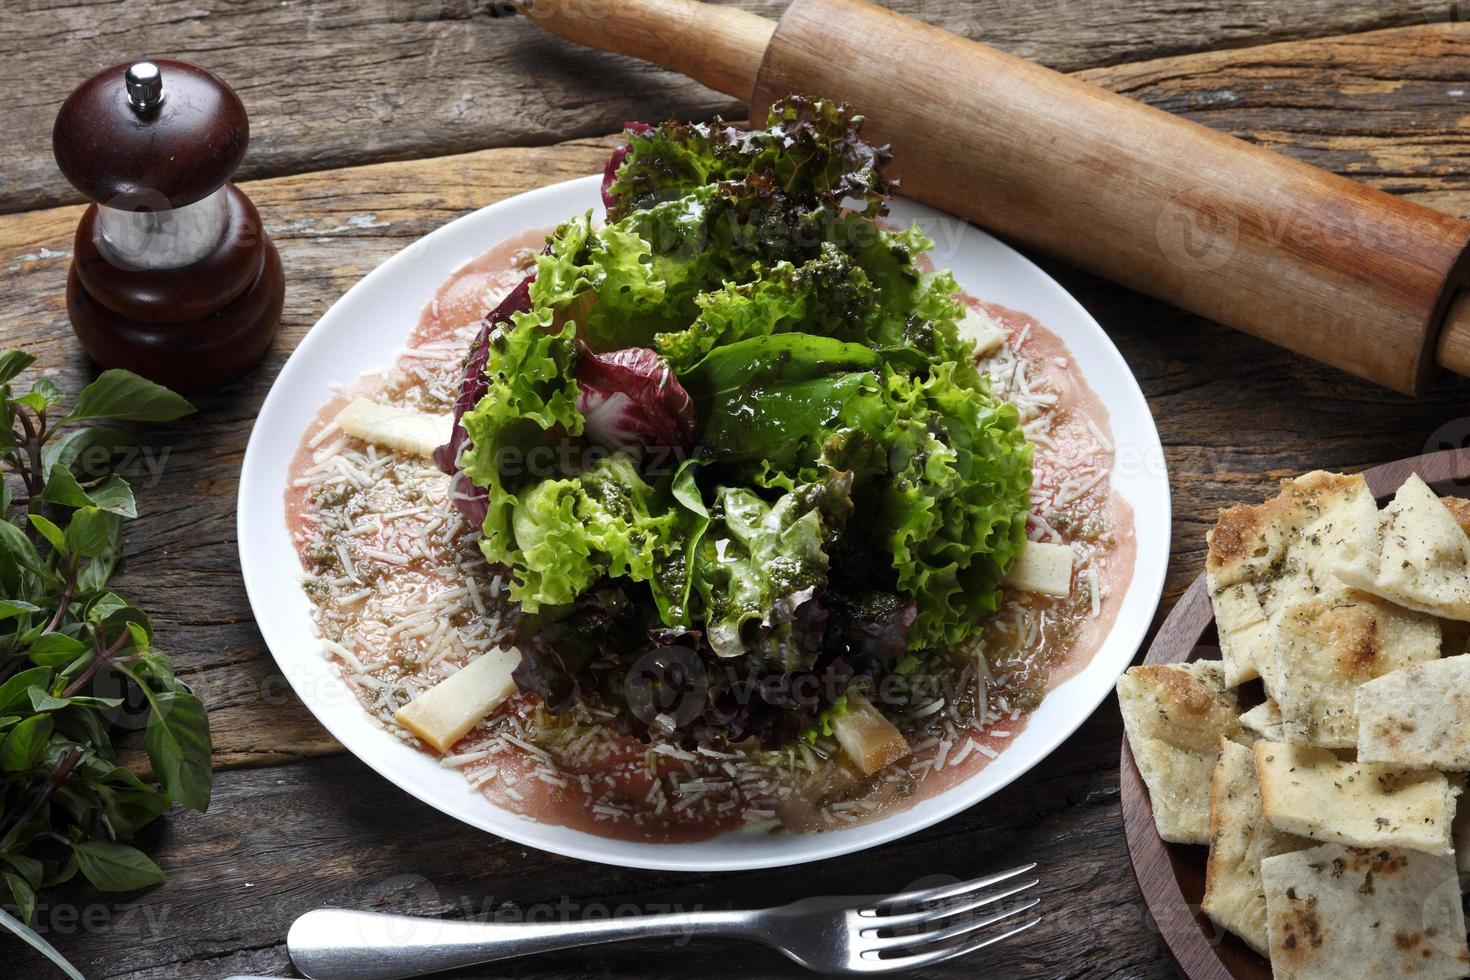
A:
(369, 325)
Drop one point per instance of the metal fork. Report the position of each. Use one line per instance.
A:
(829, 935)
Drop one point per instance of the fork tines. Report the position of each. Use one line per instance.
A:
(913, 929)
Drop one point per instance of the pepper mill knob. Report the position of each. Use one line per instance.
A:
(173, 275)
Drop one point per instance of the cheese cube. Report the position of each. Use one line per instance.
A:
(395, 428)
(443, 714)
(981, 327)
(869, 739)
(1042, 567)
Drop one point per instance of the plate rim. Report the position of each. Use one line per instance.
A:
(1183, 926)
(1147, 584)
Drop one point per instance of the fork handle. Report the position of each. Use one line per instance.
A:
(338, 944)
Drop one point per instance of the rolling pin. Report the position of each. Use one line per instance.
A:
(1277, 248)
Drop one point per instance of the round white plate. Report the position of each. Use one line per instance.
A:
(369, 325)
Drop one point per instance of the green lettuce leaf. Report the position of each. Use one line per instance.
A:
(760, 561)
(571, 532)
(943, 470)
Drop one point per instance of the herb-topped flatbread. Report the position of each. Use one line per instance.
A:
(1327, 646)
(1310, 792)
(1175, 716)
(1418, 717)
(1261, 556)
(1418, 558)
(1240, 837)
(1335, 912)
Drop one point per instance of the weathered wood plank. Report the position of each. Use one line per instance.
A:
(1224, 440)
(280, 842)
(333, 83)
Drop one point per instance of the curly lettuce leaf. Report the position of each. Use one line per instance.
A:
(953, 503)
(828, 295)
(530, 402)
(571, 532)
(810, 148)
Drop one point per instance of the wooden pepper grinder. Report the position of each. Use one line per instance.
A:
(173, 275)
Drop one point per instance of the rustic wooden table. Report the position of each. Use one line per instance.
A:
(375, 122)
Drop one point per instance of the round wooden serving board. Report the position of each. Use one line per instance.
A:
(1172, 876)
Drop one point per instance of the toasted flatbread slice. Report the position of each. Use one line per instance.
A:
(1264, 556)
(1175, 715)
(1327, 647)
(1309, 792)
(1334, 912)
(1418, 717)
(1240, 838)
(1245, 636)
(1423, 556)
(1264, 721)
(1249, 541)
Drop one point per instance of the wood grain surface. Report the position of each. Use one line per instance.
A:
(296, 824)
(333, 83)
(1172, 876)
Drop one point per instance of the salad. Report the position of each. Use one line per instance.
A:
(732, 448)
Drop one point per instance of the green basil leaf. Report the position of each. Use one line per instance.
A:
(48, 390)
(56, 650)
(22, 896)
(114, 496)
(118, 394)
(86, 450)
(30, 869)
(43, 396)
(93, 533)
(179, 746)
(104, 606)
(55, 535)
(12, 362)
(15, 544)
(111, 494)
(114, 867)
(25, 745)
(43, 700)
(10, 608)
(63, 488)
(13, 691)
(65, 873)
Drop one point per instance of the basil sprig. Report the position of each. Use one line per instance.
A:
(78, 664)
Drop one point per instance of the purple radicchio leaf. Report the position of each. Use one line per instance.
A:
(631, 401)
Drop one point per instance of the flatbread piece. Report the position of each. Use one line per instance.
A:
(1175, 715)
(1310, 792)
(1240, 837)
(1334, 912)
(1418, 717)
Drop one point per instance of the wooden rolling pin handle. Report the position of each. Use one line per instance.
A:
(717, 46)
(1453, 348)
